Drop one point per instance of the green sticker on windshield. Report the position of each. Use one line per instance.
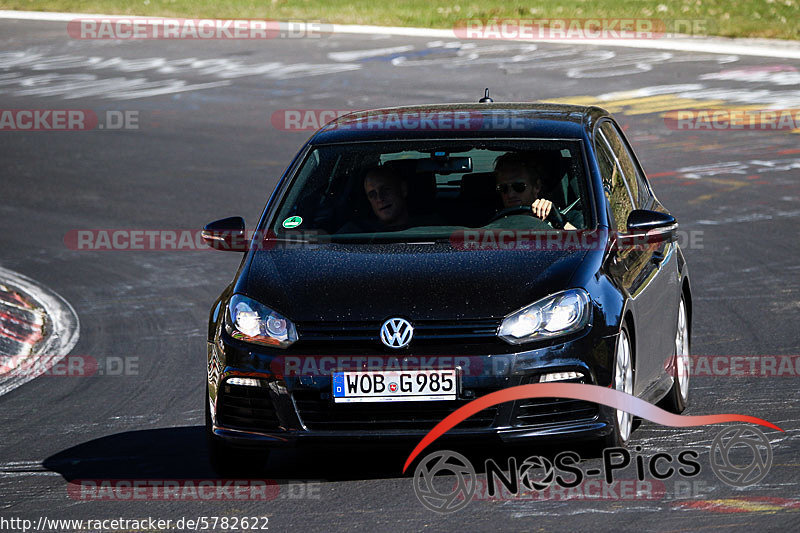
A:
(292, 222)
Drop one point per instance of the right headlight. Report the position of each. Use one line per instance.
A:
(558, 314)
(251, 321)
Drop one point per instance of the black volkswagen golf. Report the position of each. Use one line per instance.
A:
(413, 259)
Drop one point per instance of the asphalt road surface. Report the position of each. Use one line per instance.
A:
(210, 142)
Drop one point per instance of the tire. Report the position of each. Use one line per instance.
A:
(623, 422)
(228, 461)
(678, 397)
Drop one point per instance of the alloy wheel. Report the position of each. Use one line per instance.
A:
(682, 362)
(623, 381)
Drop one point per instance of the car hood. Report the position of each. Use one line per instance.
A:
(337, 282)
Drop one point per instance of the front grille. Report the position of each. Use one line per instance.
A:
(551, 411)
(424, 331)
(318, 412)
(247, 408)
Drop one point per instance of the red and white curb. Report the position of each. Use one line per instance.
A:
(38, 328)
(20, 327)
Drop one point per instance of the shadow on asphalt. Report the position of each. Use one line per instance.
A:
(181, 453)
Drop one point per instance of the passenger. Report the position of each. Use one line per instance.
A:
(387, 193)
(519, 182)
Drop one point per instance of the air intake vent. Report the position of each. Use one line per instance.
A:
(536, 412)
(247, 408)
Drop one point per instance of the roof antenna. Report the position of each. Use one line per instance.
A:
(485, 99)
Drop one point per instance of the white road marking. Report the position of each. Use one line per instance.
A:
(751, 217)
(754, 166)
(773, 74)
(772, 99)
(81, 85)
(364, 54)
(712, 45)
(516, 57)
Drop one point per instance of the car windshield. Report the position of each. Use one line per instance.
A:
(426, 190)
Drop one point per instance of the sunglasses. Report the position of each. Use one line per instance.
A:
(518, 186)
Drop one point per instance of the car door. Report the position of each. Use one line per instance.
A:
(665, 256)
(642, 271)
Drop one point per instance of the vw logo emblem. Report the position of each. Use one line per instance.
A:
(396, 333)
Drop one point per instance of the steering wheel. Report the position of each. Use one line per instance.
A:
(510, 211)
(555, 218)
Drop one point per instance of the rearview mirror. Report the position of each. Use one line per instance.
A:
(655, 226)
(227, 234)
(445, 165)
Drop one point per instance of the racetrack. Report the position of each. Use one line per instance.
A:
(207, 146)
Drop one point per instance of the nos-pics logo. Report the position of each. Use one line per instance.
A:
(445, 481)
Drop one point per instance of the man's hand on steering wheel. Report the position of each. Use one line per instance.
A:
(541, 208)
(544, 209)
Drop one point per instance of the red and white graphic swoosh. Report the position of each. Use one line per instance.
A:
(577, 391)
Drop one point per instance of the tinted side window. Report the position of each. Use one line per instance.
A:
(614, 184)
(636, 183)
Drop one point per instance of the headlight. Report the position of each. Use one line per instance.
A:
(251, 321)
(558, 314)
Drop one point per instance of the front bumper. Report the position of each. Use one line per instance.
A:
(292, 405)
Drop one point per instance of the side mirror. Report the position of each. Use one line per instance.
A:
(652, 226)
(227, 234)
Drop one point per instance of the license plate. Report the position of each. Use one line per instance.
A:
(395, 386)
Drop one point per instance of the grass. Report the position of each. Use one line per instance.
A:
(777, 19)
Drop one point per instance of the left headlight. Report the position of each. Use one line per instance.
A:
(558, 314)
(252, 321)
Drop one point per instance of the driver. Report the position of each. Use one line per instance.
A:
(518, 181)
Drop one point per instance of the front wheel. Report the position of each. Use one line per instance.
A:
(623, 382)
(678, 397)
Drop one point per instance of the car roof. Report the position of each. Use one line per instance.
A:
(447, 121)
